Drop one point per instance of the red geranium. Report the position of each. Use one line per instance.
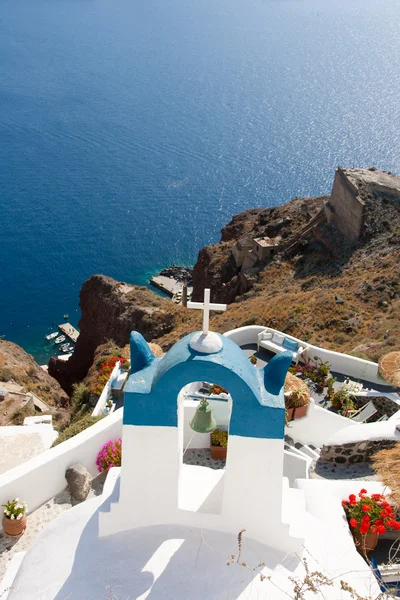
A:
(353, 522)
(370, 514)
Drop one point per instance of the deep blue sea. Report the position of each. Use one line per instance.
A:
(132, 130)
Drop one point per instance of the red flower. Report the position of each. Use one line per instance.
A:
(366, 507)
(353, 522)
(373, 529)
(352, 499)
(376, 497)
(363, 491)
(380, 529)
(396, 525)
(364, 529)
(366, 519)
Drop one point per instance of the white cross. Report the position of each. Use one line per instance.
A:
(206, 306)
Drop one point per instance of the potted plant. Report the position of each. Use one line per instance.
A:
(14, 518)
(216, 390)
(296, 403)
(330, 383)
(369, 517)
(253, 359)
(219, 444)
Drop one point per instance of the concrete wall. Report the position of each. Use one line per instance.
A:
(39, 479)
(345, 209)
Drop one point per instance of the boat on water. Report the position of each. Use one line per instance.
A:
(66, 316)
(66, 348)
(51, 336)
(60, 339)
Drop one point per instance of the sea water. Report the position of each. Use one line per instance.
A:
(132, 130)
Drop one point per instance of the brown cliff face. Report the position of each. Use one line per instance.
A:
(216, 268)
(110, 311)
(19, 366)
(317, 288)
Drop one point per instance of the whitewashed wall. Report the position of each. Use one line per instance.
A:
(295, 466)
(341, 363)
(39, 479)
(347, 365)
(245, 335)
(317, 427)
(101, 402)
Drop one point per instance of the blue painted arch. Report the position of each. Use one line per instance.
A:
(152, 390)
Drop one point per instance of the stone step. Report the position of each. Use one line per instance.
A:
(305, 448)
(297, 451)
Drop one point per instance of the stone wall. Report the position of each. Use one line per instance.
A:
(345, 208)
(355, 452)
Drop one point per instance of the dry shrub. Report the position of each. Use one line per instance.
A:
(387, 465)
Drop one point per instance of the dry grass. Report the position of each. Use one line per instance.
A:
(387, 465)
(293, 384)
(304, 305)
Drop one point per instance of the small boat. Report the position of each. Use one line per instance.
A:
(60, 339)
(66, 316)
(51, 336)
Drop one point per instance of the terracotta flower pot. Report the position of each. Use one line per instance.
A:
(365, 543)
(14, 526)
(218, 452)
(290, 414)
(300, 412)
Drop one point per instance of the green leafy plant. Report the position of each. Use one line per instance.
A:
(348, 407)
(125, 365)
(297, 398)
(76, 427)
(253, 359)
(219, 437)
(15, 509)
(343, 401)
(316, 371)
(329, 384)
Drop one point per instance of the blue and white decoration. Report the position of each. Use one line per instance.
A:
(157, 488)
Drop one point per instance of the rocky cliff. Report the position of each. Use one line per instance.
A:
(216, 268)
(18, 366)
(110, 310)
(317, 286)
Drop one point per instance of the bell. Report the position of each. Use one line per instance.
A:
(203, 420)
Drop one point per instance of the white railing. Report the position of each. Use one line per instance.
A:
(42, 477)
(102, 401)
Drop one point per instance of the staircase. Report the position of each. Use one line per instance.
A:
(304, 450)
(304, 233)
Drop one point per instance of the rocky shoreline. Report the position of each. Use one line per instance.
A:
(177, 273)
